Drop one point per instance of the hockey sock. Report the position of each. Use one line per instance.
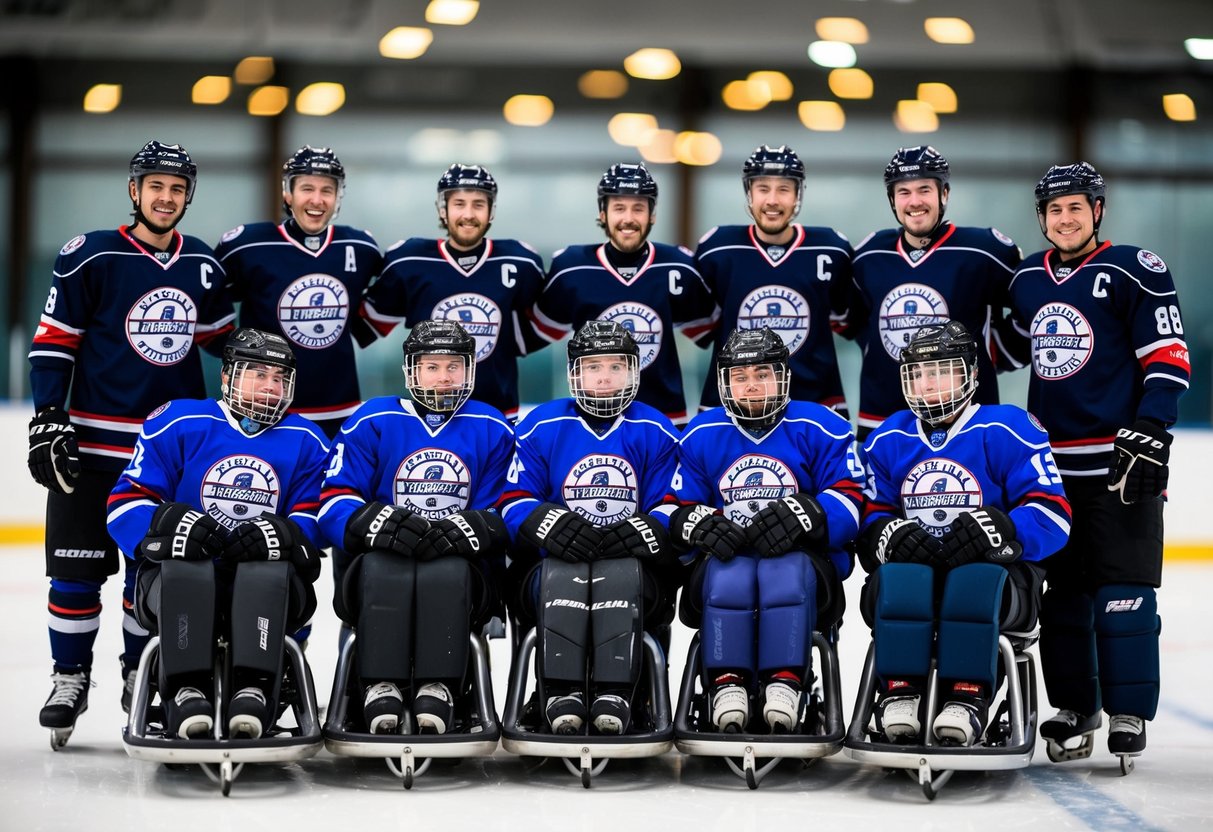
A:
(134, 636)
(75, 617)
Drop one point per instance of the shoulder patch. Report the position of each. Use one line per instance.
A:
(708, 234)
(1147, 258)
(72, 244)
(1002, 238)
(865, 240)
(157, 411)
(1036, 422)
(228, 236)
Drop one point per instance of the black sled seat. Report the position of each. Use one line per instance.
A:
(474, 733)
(294, 736)
(752, 754)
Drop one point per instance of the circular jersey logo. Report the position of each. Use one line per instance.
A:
(1147, 258)
(478, 315)
(1061, 341)
(781, 308)
(160, 326)
(750, 482)
(72, 244)
(238, 488)
(904, 311)
(935, 491)
(228, 236)
(643, 323)
(432, 482)
(601, 488)
(312, 311)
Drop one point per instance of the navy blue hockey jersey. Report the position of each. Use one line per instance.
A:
(1107, 348)
(604, 477)
(305, 287)
(426, 279)
(666, 291)
(962, 276)
(992, 455)
(192, 451)
(795, 295)
(811, 450)
(121, 328)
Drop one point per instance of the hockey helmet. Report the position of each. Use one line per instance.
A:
(460, 177)
(1064, 180)
(246, 355)
(313, 161)
(439, 337)
(781, 162)
(157, 157)
(754, 348)
(623, 179)
(595, 340)
(939, 371)
(922, 162)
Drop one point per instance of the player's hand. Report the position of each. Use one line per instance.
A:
(793, 522)
(638, 536)
(380, 526)
(1140, 470)
(54, 458)
(466, 534)
(179, 531)
(274, 537)
(983, 534)
(562, 533)
(699, 526)
(895, 540)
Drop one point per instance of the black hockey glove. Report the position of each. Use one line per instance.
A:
(699, 526)
(793, 522)
(466, 534)
(639, 536)
(1140, 470)
(380, 526)
(983, 534)
(564, 534)
(54, 459)
(895, 540)
(181, 531)
(274, 537)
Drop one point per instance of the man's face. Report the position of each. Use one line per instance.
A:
(773, 203)
(161, 200)
(1070, 224)
(753, 386)
(441, 373)
(628, 220)
(467, 217)
(603, 375)
(312, 201)
(918, 204)
(258, 387)
(937, 382)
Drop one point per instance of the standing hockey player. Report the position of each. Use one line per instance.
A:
(963, 501)
(408, 491)
(648, 288)
(586, 472)
(1109, 364)
(925, 271)
(779, 274)
(485, 285)
(126, 312)
(767, 495)
(218, 509)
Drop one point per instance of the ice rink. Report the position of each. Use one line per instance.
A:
(93, 786)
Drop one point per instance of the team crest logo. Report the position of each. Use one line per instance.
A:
(432, 482)
(313, 310)
(936, 491)
(478, 315)
(643, 323)
(904, 311)
(239, 488)
(160, 326)
(72, 244)
(784, 310)
(228, 236)
(602, 489)
(1002, 238)
(1148, 259)
(751, 482)
(1061, 341)
(157, 411)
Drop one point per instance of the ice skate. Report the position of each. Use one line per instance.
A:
(896, 717)
(781, 710)
(566, 714)
(68, 699)
(434, 708)
(1126, 738)
(730, 709)
(248, 714)
(1070, 735)
(610, 714)
(381, 708)
(961, 722)
(189, 714)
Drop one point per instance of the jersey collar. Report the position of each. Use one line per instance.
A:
(325, 239)
(641, 269)
(931, 249)
(1049, 262)
(174, 248)
(452, 258)
(925, 432)
(797, 239)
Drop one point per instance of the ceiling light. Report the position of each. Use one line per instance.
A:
(779, 85)
(746, 95)
(528, 110)
(846, 29)
(1200, 48)
(406, 42)
(631, 129)
(948, 30)
(941, 97)
(821, 115)
(211, 89)
(914, 116)
(659, 148)
(320, 99)
(832, 53)
(102, 98)
(652, 64)
(851, 83)
(1179, 107)
(268, 101)
(603, 83)
(692, 148)
(451, 12)
(254, 70)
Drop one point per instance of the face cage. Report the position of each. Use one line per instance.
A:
(749, 202)
(445, 401)
(261, 408)
(604, 407)
(771, 407)
(951, 399)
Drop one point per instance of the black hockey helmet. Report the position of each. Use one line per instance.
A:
(157, 157)
(247, 347)
(947, 354)
(599, 338)
(1064, 180)
(754, 347)
(623, 179)
(922, 162)
(781, 162)
(439, 337)
(313, 161)
(460, 177)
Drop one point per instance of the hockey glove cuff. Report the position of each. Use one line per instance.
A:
(182, 532)
(983, 534)
(54, 458)
(1140, 470)
(895, 540)
(562, 533)
(794, 522)
(380, 526)
(467, 534)
(699, 526)
(638, 536)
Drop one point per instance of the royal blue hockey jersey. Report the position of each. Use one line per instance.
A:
(992, 455)
(121, 328)
(432, 464)
(811, 450)
(665, 291)
(604, 477)
(427, 279)
(963, 275)
(193, 451)
(305, 287)
(795, 294)
(1107, 348)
